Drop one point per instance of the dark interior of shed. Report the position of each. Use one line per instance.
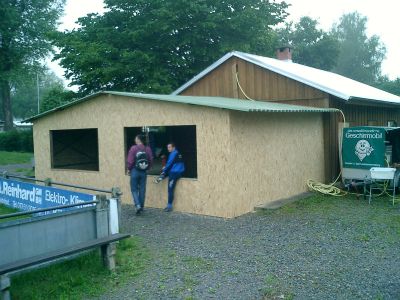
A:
(393, 146)
(157, 137)
(75, 149)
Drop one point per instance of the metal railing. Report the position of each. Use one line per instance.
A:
(23, 213)
(49, 182)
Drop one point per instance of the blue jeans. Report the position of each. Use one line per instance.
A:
(172, 180)
(138, 186)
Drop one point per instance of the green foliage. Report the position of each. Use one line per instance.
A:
(83, 277)
(55, 97)
(19, 141)
(24, 29)
(391, 86)
(155, 46)
(312, 46)
(24, 92)
(360, 57)
(24, 98)
(346, 49)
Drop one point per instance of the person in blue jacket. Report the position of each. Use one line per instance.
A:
(174, 170)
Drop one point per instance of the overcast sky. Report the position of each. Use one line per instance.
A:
(381, 21)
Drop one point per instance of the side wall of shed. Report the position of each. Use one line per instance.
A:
(110, 114)
(273, 155)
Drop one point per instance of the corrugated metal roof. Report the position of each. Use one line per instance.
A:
(215, 102)
(331, 83)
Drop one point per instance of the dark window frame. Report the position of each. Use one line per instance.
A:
(92, 166)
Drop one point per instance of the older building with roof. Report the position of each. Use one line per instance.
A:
(246, 76)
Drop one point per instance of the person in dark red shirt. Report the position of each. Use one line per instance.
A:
(140, 160)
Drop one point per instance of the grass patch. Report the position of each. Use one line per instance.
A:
(322, 204)
(8, 210)
(8, 158)
(82, 277)
(198, 264)
(273, 289)
(378, 221)
(28, 172)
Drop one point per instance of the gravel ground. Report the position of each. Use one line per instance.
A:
(318, 248)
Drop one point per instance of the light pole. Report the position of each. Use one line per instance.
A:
(38, 95)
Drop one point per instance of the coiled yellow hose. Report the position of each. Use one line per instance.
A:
(326, 189)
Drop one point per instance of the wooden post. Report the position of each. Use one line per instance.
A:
(108, 255)
(327, 147)
(341, 126)
(102, 226)
(103, 229)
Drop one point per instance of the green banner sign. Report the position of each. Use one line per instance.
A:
(363, 147)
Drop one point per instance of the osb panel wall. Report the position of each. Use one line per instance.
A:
(110, 114)
(273, 155)
(258, 83)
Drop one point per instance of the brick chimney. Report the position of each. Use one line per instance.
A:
(284, 53)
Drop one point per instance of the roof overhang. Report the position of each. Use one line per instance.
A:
(359, 100)
(214, 102)
(62, 107)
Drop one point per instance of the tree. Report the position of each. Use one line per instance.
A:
(391, 86)
(156, 45)
(24, 92)
(312, 46)
(360, 57)
(55, 97)
(24, 97)
(24, 26)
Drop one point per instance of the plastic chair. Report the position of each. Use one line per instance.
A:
(381, 175)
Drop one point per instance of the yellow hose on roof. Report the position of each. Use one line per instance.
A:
(241, 89)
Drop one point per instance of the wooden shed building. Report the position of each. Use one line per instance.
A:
(238, 153)
(243, 75)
